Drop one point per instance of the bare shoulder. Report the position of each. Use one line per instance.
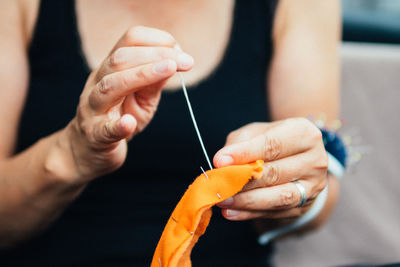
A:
(29, 10)
(315, 15)
(17, 19)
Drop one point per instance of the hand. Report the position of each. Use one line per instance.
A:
(120, 98)
(292, 150)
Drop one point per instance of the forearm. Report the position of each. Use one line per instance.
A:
(35, 186)
(304, 75)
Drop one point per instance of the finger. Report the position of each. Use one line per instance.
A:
(240, 215)
(129, 57)
(278, 197)
(111, 89)
(285, 170)
(249, 131)
(145, 36)
(288, 138)
(142, 105)
(110, 131)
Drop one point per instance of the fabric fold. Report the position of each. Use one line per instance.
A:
(191, 216)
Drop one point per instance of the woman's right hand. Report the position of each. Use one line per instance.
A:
(119, 100)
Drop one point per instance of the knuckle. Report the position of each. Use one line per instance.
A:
(117, 58)
(245, 201)
(125, 82)
(133, 33)
(272, 148)
(288, 198)
(315, 133)
(87, 131)
(93, 101)
(323, 162)
(104, 86)
(311, 129)
(142, 75)
(320, 162)
(108, 133)
(272, 176)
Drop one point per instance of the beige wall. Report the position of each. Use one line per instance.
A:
(366, 225)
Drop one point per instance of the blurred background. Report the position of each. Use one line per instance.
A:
(375, 21)
(365, 228)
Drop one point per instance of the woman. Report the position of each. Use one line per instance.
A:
(63, 129)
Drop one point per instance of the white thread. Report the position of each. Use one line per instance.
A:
(205, 174)
(194, 120)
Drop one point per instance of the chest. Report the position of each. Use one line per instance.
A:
(232, 97)
(202, 28)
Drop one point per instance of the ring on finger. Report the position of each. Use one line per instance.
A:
(302, 191)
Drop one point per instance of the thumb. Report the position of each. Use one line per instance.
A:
(111, 131)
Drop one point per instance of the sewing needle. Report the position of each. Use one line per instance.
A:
(205, 174)
(194, 119)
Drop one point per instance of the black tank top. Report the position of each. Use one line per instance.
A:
(119, 218)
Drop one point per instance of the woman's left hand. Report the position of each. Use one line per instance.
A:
(292, 150)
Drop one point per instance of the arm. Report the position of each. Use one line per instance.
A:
(304, 77)
(118, 101)
(20, 188)
(303, 80)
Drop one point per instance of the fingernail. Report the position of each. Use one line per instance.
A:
(127, 120)
(224, 161)
(185, 61)
(232, 213)
(226, 202)
(161, 67)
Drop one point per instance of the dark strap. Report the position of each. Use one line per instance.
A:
(56, 30)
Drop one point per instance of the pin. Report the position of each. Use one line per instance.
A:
(205, 174)
(219, 196)
(174, 219)
(191, 233)
(194, 120)
(159, 261)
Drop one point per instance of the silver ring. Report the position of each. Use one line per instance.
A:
(302, 191)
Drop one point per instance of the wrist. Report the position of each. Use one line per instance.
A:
(60, 162)
(75, 159)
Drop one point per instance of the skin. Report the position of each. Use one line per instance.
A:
(122, 93)
(313, 67)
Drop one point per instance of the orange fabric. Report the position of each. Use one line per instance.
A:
(191, 216)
